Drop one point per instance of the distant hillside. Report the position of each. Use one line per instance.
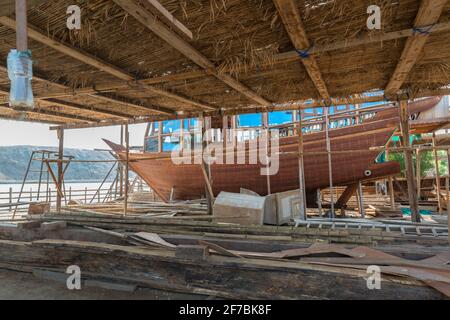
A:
(14, 161)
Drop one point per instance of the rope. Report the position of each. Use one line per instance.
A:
(304, 54)
(424, 30)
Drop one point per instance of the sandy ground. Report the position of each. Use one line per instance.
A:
(25, 286)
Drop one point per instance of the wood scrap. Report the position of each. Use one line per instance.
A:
(218, 249)
(108, 232)
(153, 237)
(161, 269)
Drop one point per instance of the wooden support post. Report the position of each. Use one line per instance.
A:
(55, 180)
(22, 25)
(438, 177)
(448, 161)
(171, 194)
(301, 169)
(391, 193)
(265, 121)
(160, 141)
(10, 198)
(330, 170)
(181, 139)
(356, 114)
(448, 192)
(59, 195)
(345, 197)
(120, 166)
(234, 130)
(205, 168)
(148, 129)
(127, 160)
(225, 124)
(447, 189)
(360, 196)
(319, 202)
(391, 186)
(412, 191)
(418, 174)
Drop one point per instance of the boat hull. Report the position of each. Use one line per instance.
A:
(352, 160)
(186, 181)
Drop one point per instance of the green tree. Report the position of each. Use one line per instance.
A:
(426, 162)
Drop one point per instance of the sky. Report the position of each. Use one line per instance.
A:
(38, 134)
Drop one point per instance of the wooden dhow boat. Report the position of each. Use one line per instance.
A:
(353, 159)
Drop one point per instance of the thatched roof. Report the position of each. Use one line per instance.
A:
(248, 40)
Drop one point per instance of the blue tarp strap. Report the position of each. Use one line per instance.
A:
(304, 54)
(424, 30)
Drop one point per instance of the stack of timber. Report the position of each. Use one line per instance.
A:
(140, 206)
(362, 233)
(384, 212)
(369, 194)
(214, 266)
(376, 205)
(144, 196)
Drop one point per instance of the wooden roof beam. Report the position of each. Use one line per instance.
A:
(23, 113)
(168, 18)
(131, 103)
(151, 22)
(76, 106)
(69, 105)
(46, 111)
(285, 57)
(280, 58)
(65, 104)
(97, 63)
(68, 92)
(107, 123)
(26, 118)
(428, 15)
(7, 7)
(293, 24)
(63, 115)
(256, 109)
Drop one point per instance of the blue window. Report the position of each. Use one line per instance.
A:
(280, 117)
(171, 126)
(250, 120)
(151, 144)
(193, 123)
(170, 143)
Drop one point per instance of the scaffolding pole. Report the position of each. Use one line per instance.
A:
(127, 160)
(330, 170)
(60, 173)
(412, 191)
(301, 168)
(437, 175)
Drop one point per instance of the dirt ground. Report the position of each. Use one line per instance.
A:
(25, 286)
